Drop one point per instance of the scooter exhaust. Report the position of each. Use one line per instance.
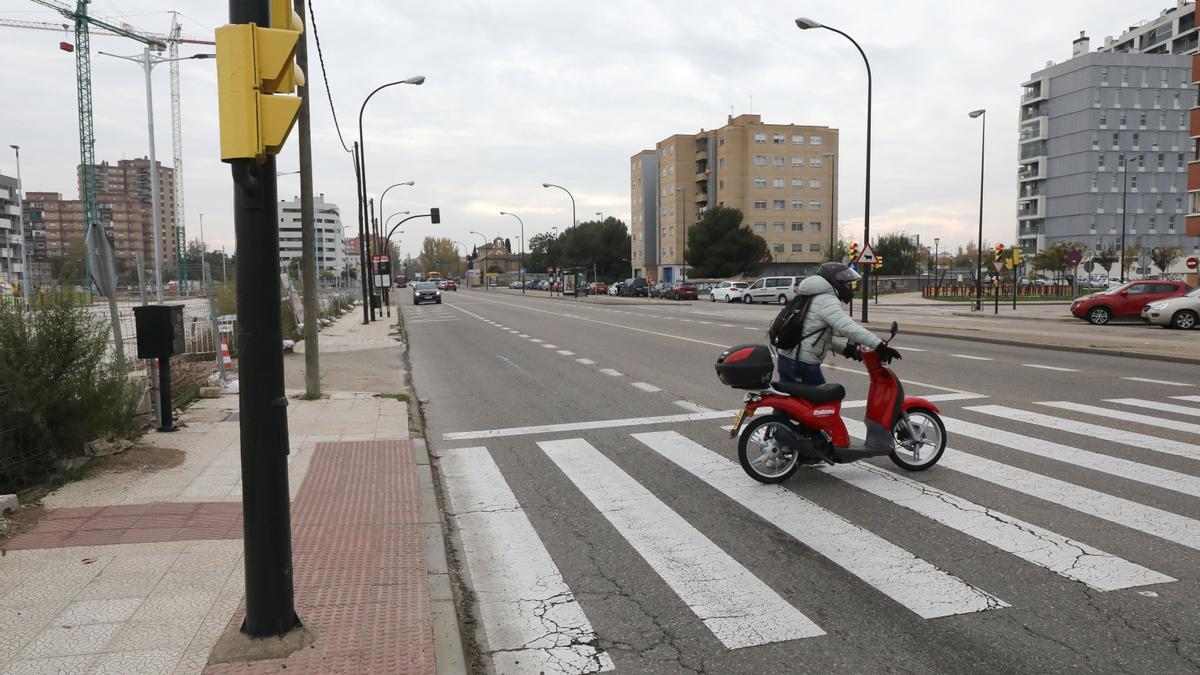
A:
(802, 445)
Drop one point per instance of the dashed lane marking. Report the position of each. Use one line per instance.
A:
(1055, 368)
(646, 386)
(612, 372)
(586, 362)
(973, 358)
(1168, 383)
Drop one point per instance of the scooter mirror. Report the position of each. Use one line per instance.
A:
(895, 328)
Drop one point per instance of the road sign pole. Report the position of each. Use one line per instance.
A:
(996, 310)
(1014, 287)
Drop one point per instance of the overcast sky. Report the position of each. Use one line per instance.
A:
(521, 92)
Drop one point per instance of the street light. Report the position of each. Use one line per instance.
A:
(362, 157)
(24, 234)
(806, 24)
(482, 270)
(506, 213)
(552, 185)
(832, 202)
(936, 250)
(601, 214)
(979, 252)
(148, 61)
(380, 230)
(1124, 198)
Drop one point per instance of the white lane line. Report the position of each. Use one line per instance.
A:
(1193, 399)
(1061, 555)
(727, 325)
(1155, 405)
(1154, 422)
(751, 328)
(529, 614)
(566, 352)
(704, 323)
(547, 345)
(1056, 368)
(686, 320)
(513, 330)
(693, 407)
(973, 358)
(1150, 381)
(523, 335)
(1095, 431)
(1114, 466)
(612, 372)
(914, 583)
(909, 349)
(534, 340)
(646, 386)
(584, 426)
(739, 609)
(586, 362)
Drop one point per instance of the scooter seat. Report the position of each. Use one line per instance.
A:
(814, 393)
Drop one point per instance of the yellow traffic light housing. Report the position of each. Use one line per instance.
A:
(254, 67)
(1016, 257)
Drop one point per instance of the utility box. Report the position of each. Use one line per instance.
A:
(159, 331)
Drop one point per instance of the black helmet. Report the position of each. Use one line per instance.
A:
(841, 277)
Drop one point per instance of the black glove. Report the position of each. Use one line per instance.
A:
(886, 353)
(851, 352)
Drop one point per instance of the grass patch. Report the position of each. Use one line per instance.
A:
(403, 398)
(1020, 298)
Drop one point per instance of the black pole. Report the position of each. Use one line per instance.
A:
(373, 249)
(262, 405)
(996, 309)
(979, 246)
(1124, 210)
(362, 240)
(1014, 287)
(164, 394)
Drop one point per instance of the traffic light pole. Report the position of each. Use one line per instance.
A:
(262, 405)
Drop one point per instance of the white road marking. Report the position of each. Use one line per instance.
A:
(909, 349)
(523, 335)
(1166, 382)
(694, 407)
(453, 318)
(727, 325)
(612, 372)
(1163, 445)
(751, 328)
(739, 609)
(1193, 399)
(1155, 405)
(547, 345)
(513, 330)
(586, 362)
(1061, 370)
(1114, 466)
(973, 358)
(534, 340)
(1159, 422)
(566, 352)
(584, 426)
(529, 614)
(1061, 555)
(914, 583)
(646, 386)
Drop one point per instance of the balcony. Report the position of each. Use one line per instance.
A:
(1032, 112)
(1034, 91)
(12, 210)
(701, 177)
(701, 197)
(1033, 149)
(1031, 190)
(1030, 171)
(5, 194)
(702, 155)
(1034, 130)
(1030, 207)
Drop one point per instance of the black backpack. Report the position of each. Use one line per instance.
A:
(787, 330)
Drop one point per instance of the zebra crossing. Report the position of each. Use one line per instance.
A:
(532, 620)
(429, 314)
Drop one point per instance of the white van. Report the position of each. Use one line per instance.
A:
(771, 289)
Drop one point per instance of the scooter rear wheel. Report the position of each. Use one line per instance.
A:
(923, 451)
(763, 458)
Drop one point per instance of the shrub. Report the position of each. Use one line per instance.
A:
(58, 388)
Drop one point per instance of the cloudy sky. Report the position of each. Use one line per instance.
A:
(521, 92)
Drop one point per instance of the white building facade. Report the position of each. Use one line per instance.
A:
(327, 222)
(12, 269)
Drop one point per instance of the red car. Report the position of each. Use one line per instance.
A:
(450, 285)
(1125, 301)
(682, 290)
(597, 288)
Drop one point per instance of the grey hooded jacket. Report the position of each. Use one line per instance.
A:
(827, 326)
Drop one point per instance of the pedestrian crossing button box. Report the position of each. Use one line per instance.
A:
(159, 331)
(746, 366)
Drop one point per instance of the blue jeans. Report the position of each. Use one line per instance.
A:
(791, 370)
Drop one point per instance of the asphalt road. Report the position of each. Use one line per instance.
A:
(601, 521)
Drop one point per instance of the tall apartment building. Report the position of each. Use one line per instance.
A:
(330, 235)
(1103, 149)
(12, 242)
(778, 175)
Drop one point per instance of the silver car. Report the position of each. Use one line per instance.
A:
(1179, 312)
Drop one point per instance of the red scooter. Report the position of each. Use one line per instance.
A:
(805, 425)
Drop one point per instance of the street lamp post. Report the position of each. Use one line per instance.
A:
(1124, 210)
(832, 202)
(552, 185)
(806, 24)
(506, 213)
(25, 274)
(148, 61)
(936, 250)
(979, 245)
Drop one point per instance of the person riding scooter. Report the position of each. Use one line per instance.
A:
(827, 326)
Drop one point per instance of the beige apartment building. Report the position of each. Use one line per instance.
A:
(780, 176)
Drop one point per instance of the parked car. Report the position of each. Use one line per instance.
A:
(615, 288)
(682, 290)
(727, 291)
(635, 287)
(771, 289)
(597, 288)
(426, 291)
(1125, 301)
(515, 285)
(450, 285)
(657, 290)
(1179, 312)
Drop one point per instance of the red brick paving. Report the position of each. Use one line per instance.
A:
(133, 524)
(359, 561)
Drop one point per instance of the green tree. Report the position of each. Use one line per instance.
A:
(438, 254)
(899, 253)
(718, 246)
(1165, 256)
(1132, 253)
(838, 253)
(69, 268)
(543, 252)
(1106, 258)
(602, 246)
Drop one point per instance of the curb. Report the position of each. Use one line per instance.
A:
(647, 301)
(449, 655)
(1104, 351)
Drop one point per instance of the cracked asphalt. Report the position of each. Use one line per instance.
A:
(473, 374)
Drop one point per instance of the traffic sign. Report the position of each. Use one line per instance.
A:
(1074, 257)
(867, 257)
(1089, 266)
(1193, 262)
(999, 265)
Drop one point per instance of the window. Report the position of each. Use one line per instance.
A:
(814, 226)
(779, 248)
(814, 183)
(760, 203)
(797, 248)
(778, 227)
(760, 182)
(797, 139)
(779, 160)
(1133, 182)
(1135, 140)
(1095, 183)
(1158, 204)
(1179, 163)
(1104, 75)
(760, 227)
(1157, 98)
(721, 184)
(797, 203)
(1141, 160)
(1100, 161)
(815, 204)
(797, 227)
(1175, 100)
(814, 140)
(1103, 119)
(721, 162)
(760, 138)
(814, 161)
(1120, 161)
(1095, 142)
(760, 160)
(1124, 116)
(1124, 76)
(778, 139)
(1162, 160)
(779, 182)
(797, 160)
(814, 248)
(798, 182)
(778, 204)
(1142, 120)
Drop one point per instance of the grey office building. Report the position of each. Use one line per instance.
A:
(1103, 148)
(12, 268)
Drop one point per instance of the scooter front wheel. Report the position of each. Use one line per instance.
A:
(920, 439)
(763, 457)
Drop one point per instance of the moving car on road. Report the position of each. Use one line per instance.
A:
(450, 285)
(771, 289)
(1178, 312)
(426, 291)
(1125, 301)
(682, 290)
(727, 291)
